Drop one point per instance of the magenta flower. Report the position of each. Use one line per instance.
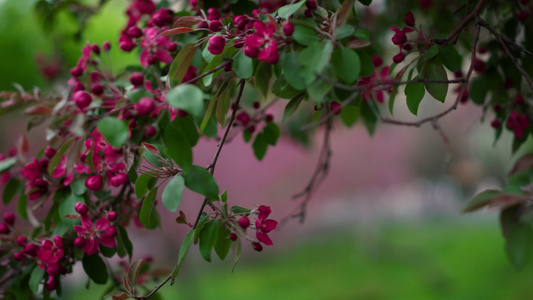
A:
(374, 89)
(264, 225)
(154, 47)
(261, 43)
(94, 234)
(50, 252)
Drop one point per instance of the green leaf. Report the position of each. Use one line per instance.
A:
(262, 77)
(35, 279)
(208, 237)
(344, 32)
(56, 159)
(148, 215)
(318, 90)
(133, 273)
(260, 146)
(240, 210)
(236, 248)
(67, 207)
(223, 105)
(21, 207)
(493, 198)
(223, 243)
(171, 196)
(432, 51)
(95, 268)
(143, 184)
(7, 163)
(10, 190)
(478, 90)
(367, 66)
(347, 64)
(183, 252)
(124, 240)
(434, 70)
(349, 115)
(414, 93)
(288, 10)
(178, 147)
(314, 59)
(291, 70)
(247, 135)
(188, 127)
(272, 133)
(136, 94)
(210, 108)
(242, 65)
(450, 58)
(199, 180)
(187, 97)
(369, 117)
(291, 107)
(181, 63)
(115, 131)
(518, 236)
(362, 34)
(78, 187)
(304, 35)
(283, 89)
(204, 217)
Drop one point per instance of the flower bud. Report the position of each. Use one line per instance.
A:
(50, 152)
(22, 240)
(97, 89)
(145, 106)
(94, 182)
(215, 26)
(288, 28)
(311, 4)
(213, 14)
(137, 79)
(4, 229)
(150, 131)
(30, 249)
(257, 246)
(409, 19)
(19, 256)
(398, 58)
(76, 72)
(52, 283)
(112, 216)
(172, 46)
(95, 49)
(9, 218)
(81, 208)
(377, 61)
(244, 222)
(335, 107)
(106, 46)
(216, 44)
(135, 32)
(82, 99)
(233, 236)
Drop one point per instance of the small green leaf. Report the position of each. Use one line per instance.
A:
(124, 239)
(143, 184)
(223, 243)
(240, 210)
(478, 90)
(115, 131)
(288, 10)
(434, 70)
(451, 59)
(344, 32)
(21, 207)
(208, 237)
(35, 279)
(187, 97)
(291, 70)
(181, 63)
(291, 107)
(148, 215)
(369, 117)
(414, 93)
(133, 273)
(304, 35)
(432, 51)
(518, 236)
(260, 146)
(283, 89)
(362, 34)
(262, 77)
(347, 64)
(171, 196)
(199, 180)
(58, 156)
(95, 268)
(7, 163)
(136, 94)
(178, 147)
(204, 217)
(247, 135)
(10, 190)
(367, 66)
(349, 115)
(183, 252)
(272, 133)
(242, 65)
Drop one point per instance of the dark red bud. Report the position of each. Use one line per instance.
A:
(145, 106)
(9, 218)
(288, 28)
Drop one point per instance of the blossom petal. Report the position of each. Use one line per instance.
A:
(269, 225)
(107, 241)
(163, 56)
(91, 246)
(263, 238)
(102, 224)
(145, 54)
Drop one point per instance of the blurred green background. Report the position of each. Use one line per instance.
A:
(441, 256)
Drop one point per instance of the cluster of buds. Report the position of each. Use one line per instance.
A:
(400, 37)
(262, 226)
(250, 122)
(377, 83)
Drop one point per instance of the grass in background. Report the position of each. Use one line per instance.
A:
(443, 260)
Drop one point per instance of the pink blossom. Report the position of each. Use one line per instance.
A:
(50, 252)
(262, 43)
(154, 46)
(264, 225)
(94, 234)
